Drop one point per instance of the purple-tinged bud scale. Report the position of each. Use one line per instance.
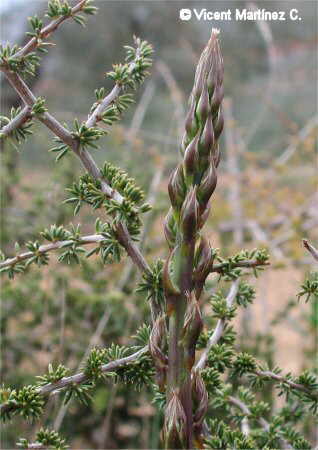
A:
(175, 423)
(203, 106)
(216, 155)
(217, 98)
(218, 124)
(207, 137)
(177, 188)
(204, 216)
(192, 328)
(204, 258)
(191, 158)
(169, 228)
(191, 125)
(200, 399)
(189, 215)
(207, 186)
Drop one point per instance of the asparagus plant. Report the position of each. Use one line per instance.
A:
(190, 188)
(194, 373)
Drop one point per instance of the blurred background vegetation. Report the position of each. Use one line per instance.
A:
(266, 196)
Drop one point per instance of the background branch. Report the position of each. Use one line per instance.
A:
(78, 378)
(244, 264)
(218, 331)
(282, 379)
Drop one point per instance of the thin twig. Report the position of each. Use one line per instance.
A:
(46, 31)
(105, 427)
(79, 378)
(176, 94)
(23, 116)
(111, 97)
(311, 249)
(310, 127)
(153, 193)
(29, 99)
(98, 111)
(267, 35)
(245, 427)
(62, 323)
(245, 409)
(282, 379)
(263, 423)
(140, 111)
(37, 445)
(84, 240)
(131, 248)
(125, 239)
(218, 331)
(233, 169)
(261, 235)
(246, 263)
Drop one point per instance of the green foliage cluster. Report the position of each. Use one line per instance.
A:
(28, 63)
(26, 402)
(25, 65)
(47, 439)
(151, 283)
(229, 269)
(85, 136)
(57, 9)
(309, 288)
(20, 133)
(114, 111)
(134, 71)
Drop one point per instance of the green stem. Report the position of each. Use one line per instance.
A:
(179, 375)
